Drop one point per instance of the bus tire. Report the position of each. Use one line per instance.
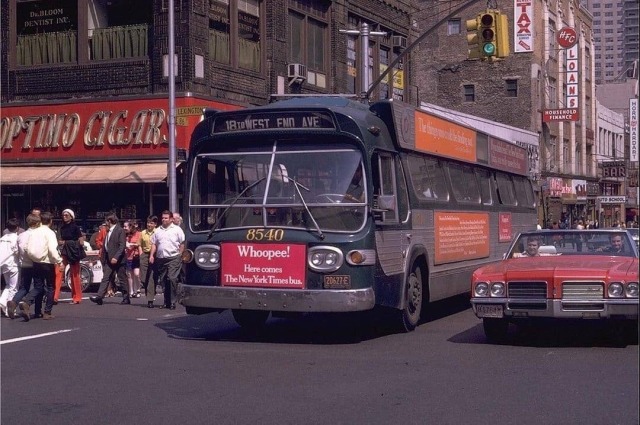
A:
(250, 319)
(86, 277)
(495, 329)
(413, 300)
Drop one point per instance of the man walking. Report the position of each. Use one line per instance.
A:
(167, 244)
(148, 272)
(9, 264)
(42, 248)
(113, 261)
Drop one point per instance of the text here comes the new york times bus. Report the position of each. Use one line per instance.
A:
(325, 204)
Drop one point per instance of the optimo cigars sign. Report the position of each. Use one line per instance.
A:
(96, 130)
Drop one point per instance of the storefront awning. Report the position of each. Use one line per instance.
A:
(78, 174)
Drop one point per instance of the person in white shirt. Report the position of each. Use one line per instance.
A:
(167, 244)
(44, 276)
(9, 264)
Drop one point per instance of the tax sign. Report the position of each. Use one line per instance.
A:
(567, 37)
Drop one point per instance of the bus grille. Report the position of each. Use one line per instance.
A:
(528, 290)
(582, 290)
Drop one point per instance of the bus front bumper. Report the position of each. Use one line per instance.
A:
(324, 300)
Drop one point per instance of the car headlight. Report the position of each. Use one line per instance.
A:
(207, 257)
(481, 289)
(616, 290)
(632, 290)
(325, 258)
(497, 289)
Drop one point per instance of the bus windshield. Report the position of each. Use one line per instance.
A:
(306, 189)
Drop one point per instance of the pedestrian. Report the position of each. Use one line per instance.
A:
(42, 249)
(132, 254)
(113, 261)
(72, 252)
(26, 269)
(97, 239)
(6, 230)
(167, 244)
(9, 264)
(148, 273)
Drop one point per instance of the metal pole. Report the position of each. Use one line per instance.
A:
(364, 38)
(171, 175)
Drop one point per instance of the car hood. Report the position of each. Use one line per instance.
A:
(563, 266)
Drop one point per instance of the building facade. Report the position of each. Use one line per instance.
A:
(542, 87)
(85, 88)
(615, 28)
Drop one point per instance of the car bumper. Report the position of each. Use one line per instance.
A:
(582, 309)
(276, 299)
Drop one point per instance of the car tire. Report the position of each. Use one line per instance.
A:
(250, 319)
(86, 277)
(495, 329)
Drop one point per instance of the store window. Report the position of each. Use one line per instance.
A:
(117, 30)
(47, 32)
(308, 39)
(235, 33)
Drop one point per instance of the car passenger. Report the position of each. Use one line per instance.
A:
(616, 245)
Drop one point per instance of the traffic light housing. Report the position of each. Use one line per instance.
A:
(487, 34)
(502, 34)
(473, 26)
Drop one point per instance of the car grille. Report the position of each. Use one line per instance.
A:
(582, 290)
(527, 290)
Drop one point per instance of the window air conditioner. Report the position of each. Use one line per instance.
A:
(297, 72)
(399, 42)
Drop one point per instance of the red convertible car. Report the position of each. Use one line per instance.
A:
(558, 274)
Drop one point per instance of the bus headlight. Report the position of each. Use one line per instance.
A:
(186, 256)
(325, 258)
(207, 257)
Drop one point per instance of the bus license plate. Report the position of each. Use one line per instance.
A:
(487, 310)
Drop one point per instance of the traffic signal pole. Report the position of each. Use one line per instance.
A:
(414, 44)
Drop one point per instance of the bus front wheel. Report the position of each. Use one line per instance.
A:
(413, 294)
(250, 319)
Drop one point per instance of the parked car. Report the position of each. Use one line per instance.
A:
(90, 272)
(583, 278)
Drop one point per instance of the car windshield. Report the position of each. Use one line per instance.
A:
(306, 189)
(573, 242)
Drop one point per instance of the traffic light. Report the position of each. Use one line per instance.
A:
(487, 34)
(502, 35)
(473, 26)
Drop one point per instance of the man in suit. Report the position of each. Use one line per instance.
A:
(113, 261)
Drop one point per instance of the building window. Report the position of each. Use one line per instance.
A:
(308, 42)
(512, 88)
(453, 26)
(552, 89)
(552, 38)
(235, 33)
(469, 93)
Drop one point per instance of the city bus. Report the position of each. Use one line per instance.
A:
(327, 204)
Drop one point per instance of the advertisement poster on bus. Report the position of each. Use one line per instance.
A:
(504, 227)
(442, 137)
(461, 236)
(263, 265)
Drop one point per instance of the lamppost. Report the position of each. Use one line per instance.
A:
(171, 172)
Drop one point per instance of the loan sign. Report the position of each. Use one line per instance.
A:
(263, 265)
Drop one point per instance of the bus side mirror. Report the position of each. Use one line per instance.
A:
(384, 203)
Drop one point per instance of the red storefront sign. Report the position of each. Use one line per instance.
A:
(263, 265)
(97, 130)
(566, 114)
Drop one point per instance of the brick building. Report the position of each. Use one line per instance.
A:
(538, 75)
(84, 89)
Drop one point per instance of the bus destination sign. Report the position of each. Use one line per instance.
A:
(249, 121)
